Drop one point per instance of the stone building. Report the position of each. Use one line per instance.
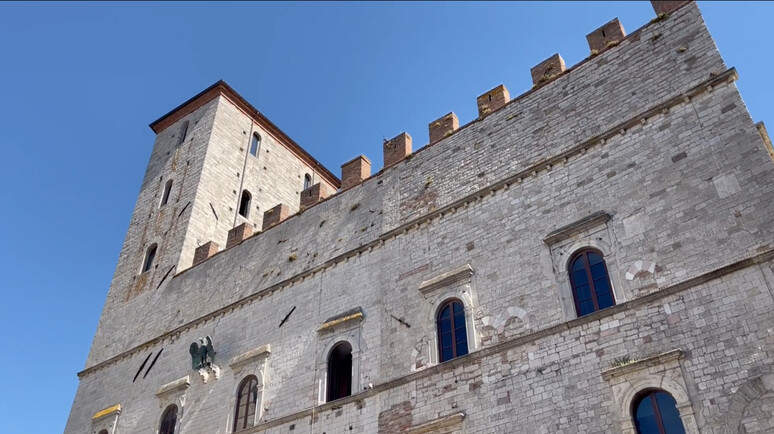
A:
(594, 255)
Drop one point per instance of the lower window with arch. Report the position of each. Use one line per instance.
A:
(246, 404)
(169, 420)
(339, 375)
(590, 282)
(655, 412)
(452, 331)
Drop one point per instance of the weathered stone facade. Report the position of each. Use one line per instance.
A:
(644, 151)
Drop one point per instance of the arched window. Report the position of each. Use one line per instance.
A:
(307, 181)
(150, 255)
(183, 133)
(255, 144)
(244, 204)
(169, 420)
(655, 412)
(165, 196)
(591, 286)
(104, 431)
(247, 399)
(452, 334)
(340, 371)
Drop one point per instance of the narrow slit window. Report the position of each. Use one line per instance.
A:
(307, 181)
(167, 191)
(590, 281)
(255, 145)
(150, 255)
(340, 371)
(183, 133)
(244, 204)
(452, 331)
(247, 399)
(169, 420)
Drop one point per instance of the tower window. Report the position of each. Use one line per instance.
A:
(452, 333)
(340, 371)
(244, 204)
(255, 144)
(591, 286)
(169, 420)
(165, 196)
(247, 398)
(150, 255)
(183, 133)
(307, 181)
(656, 412)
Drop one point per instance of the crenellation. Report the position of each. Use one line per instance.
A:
(492, 101)
(608, 158)
(548, 69)
(609, 35)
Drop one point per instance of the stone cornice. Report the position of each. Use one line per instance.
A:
(110, 411)
(457, 274)
(639, 365)
(594, 220)
(534, 170)
(261, 352)
(174, 386)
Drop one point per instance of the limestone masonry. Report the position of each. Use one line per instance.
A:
(595, 255)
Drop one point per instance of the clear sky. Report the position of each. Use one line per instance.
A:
(82, 81)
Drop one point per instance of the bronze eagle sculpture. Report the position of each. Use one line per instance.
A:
(202, 355)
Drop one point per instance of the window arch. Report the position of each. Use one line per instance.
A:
(244, 204)
(255, 144)
(340, 371)
(591, 288)
(307, 181)
(150, 255)
(452, 333)
(165, 195)
(183, 133)
(104, 431)
(247, 400)
(169, 420)
(655, 412)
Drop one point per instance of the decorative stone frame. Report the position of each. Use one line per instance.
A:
(106, 419)
(345, 327)
(454, 284)
(255, 363)
(746, 394)
(172, 393)
(661, 372)
(590, 232)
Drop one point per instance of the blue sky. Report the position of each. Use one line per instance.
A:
(82, 81)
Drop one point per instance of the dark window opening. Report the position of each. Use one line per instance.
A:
(452, 333)
(247, 400)
(167, 190)
(183, 133)
(656, 412)
(169, 420)
(603, 33)
(244, 204)
(590, 282)
(149, 257)
(340, 371)
(104, 431)
(255, 144)
(307, 181)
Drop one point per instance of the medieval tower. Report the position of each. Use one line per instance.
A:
(594, 255)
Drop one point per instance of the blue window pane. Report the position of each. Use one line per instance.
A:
(446, 340)
(462, 348)
(447, 354)
(594, 259)
(646, 417)
(445, 325)
(605, 300)
(459, 311)
(579, 264)
(598, 271)
(580, 277)
(584, 292)
(586, 307)
(670, 416)
(445, 313)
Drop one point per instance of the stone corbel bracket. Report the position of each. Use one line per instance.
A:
(460, 273)
(255, 356)
(444, 423)
(207, 372)
(347, 318)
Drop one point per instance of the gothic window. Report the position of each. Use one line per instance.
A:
(169, 420)
(247, 399)
(165, 196)
(591, 287)
(655, 412)
(452, 335)
(244, 204)
(307, 181)
(255, 144)
(150, 255)
(104, 431)
(183, 133)
(340, 371)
